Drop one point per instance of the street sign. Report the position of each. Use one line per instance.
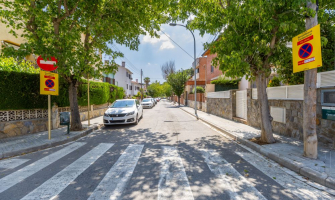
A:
(47, 65)
(306, 50)
(48, 83)
(328, 113)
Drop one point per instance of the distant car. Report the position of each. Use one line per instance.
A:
(154, 100)
(157, 99)
(147, 103)
(124, 111)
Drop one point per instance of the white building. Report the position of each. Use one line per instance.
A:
(123, 78)
(135, 87)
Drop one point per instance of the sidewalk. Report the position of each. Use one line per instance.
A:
(287, 151)
(15, 146)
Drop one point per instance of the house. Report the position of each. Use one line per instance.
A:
(135, 87)
(199, 76)
(122, 78)
(9, 40)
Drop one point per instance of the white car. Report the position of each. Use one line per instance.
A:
(147, 103)
(123, 111)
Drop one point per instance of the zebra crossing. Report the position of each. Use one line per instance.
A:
(173, 182)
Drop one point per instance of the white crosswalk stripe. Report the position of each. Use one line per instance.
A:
(232, 181)
(12, 163)
(18, 176)
(53, 186)
(173, 182)
(112, 185)
(277, 174)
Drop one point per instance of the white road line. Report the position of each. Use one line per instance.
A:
(52, 187)
(18, 176)
(113, 184)
(12, 163)
(232, 181)
(173, 182)
(274, 171)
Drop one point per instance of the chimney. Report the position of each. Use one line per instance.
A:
(136, 80)
(123, 64)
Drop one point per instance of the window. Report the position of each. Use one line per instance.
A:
(127, 86)
(197, 70)
(212, 68)
(131, 87)
(126, 74)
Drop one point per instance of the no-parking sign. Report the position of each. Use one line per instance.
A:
(48, 83)
(306, 50)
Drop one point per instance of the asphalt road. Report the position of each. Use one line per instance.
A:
(168, 155)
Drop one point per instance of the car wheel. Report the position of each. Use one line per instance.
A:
(142, 115)
(136, 120)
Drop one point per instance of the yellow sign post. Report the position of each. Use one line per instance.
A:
(49, 86)
(306, 50)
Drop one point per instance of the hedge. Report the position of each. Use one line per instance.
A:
(20, 90)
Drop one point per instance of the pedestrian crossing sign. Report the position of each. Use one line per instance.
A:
(306, 50)
(48, 83)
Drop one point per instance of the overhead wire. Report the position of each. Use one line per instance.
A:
(128, 63)
(177, 44)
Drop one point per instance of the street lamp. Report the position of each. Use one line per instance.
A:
(195, 66)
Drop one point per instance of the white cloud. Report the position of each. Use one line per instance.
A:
(163, 41)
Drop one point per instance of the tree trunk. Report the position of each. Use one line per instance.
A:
(309, 107)
(266, 127)
(75, 115)
(178, 100)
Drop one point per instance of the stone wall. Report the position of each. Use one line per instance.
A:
(222, 107)
(294, 119)
(191, 104)
(293, 126)
(23, 127)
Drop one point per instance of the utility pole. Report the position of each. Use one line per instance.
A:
(309, 105)
(141, 85)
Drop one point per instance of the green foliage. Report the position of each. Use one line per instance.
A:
(225, 82)
(22, 91)
(199, 90)
(177, 81)
(275, 82)
(10, 64)
(167, 89)
(99, 93)
(155, 89)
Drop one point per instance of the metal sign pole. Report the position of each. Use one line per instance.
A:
(88, 99)
(49, 116)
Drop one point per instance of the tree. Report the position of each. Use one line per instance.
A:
(177, 81)
(155, 89)
(147, 81)
(167, 89)
(254, 35)
(285, 70)
(78, 32)
(167, 69)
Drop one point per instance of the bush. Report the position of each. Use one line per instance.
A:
(20, 90)
(10, 64)
(275, 82)
(226, 82)
(199, 90)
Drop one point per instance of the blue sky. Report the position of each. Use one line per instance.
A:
(153, 52)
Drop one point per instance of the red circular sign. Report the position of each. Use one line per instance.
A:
(49, 83)
(305, 50)
(47, 65)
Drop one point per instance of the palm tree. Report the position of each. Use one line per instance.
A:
(147, 81)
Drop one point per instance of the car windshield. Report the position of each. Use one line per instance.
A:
(146, 100)
(122, 104)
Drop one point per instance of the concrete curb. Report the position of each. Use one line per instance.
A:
(49, 145)
(321, 178)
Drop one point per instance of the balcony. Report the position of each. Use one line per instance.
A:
(196, 76)
(197, 62)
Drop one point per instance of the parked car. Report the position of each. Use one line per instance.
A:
(157, 99)
(154, 100)
(147, 103)
(124, 111)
